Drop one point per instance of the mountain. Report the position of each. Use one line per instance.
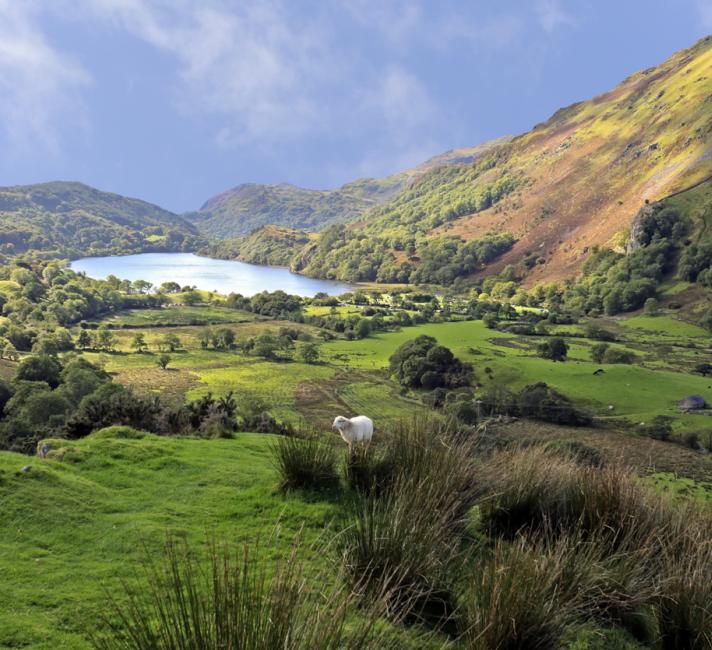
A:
(545, 201)
(244, 208)
(64, 219)
(578, 180)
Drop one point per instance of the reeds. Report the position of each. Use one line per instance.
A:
(234, 603)
(305, 463)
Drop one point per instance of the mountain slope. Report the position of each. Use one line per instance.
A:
(572, 183)
(244, 208)
(71, 219)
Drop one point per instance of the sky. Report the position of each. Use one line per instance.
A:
(174, 101)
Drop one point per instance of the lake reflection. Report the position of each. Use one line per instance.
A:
(224, 276)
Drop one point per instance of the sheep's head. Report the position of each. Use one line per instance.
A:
(340, 423)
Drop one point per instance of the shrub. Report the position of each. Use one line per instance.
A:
(660, 428)
(540, 402)
(235, 602)
(422, 363)
(305, 463)
(555, 349)
(691, 440)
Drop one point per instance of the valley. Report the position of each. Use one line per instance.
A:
(526, 323)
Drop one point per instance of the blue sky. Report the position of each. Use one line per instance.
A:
(174, 101)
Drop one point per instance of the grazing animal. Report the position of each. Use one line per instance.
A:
(358, 429)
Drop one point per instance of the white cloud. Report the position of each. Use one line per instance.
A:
(248, 63)
(704, 11)
(551, 16)
(38, 83)
(400, 100)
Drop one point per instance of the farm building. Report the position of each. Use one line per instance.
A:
(692, 403)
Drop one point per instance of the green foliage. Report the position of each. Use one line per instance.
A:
(309, 353)
(422, 363)
(353, 256)
(72, 220)
(554, 348)
(250, 206)
(40, 368)
(163, 361)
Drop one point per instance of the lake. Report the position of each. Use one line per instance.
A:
(224, 276)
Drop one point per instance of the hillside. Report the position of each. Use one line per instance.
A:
(63, 219)
(583, 175)
(272, 245)
(244, 208)
(568, 186)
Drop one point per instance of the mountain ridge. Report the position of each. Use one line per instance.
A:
(72, 219)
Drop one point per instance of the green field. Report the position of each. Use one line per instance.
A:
(659, 378)
(665, 325)
(634, 391)
(73, 528)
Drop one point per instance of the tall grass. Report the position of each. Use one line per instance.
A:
(685, 604)
(662, 549)
(535, 490)
(405, 536)
(528, 593)
(305, 463)
(235, 604)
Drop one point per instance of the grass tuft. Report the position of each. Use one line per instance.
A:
(305, 463)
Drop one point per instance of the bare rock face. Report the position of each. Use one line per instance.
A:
(636, 228)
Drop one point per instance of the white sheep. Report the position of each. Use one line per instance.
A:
(358, 429)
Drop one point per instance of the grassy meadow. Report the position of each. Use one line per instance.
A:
(666, 352)
(78, 523)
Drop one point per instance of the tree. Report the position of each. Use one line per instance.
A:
(170, 342)
(10, 352)
(192, 298)
(650, 307)
(105, 338)
(309, 353)
(422, 363)
(223, 338)
(266, 346)
(206, 336)
(84, 340)
(598, 352)
(163, 361)
(139, 342)
(142, 286)
(555, 349)
(41, 367)
(704, 369)
(169, 287)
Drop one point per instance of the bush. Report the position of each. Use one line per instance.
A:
(540, 402)
(660, 428)
(422, 363)
(305, 463)
(555, 349)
